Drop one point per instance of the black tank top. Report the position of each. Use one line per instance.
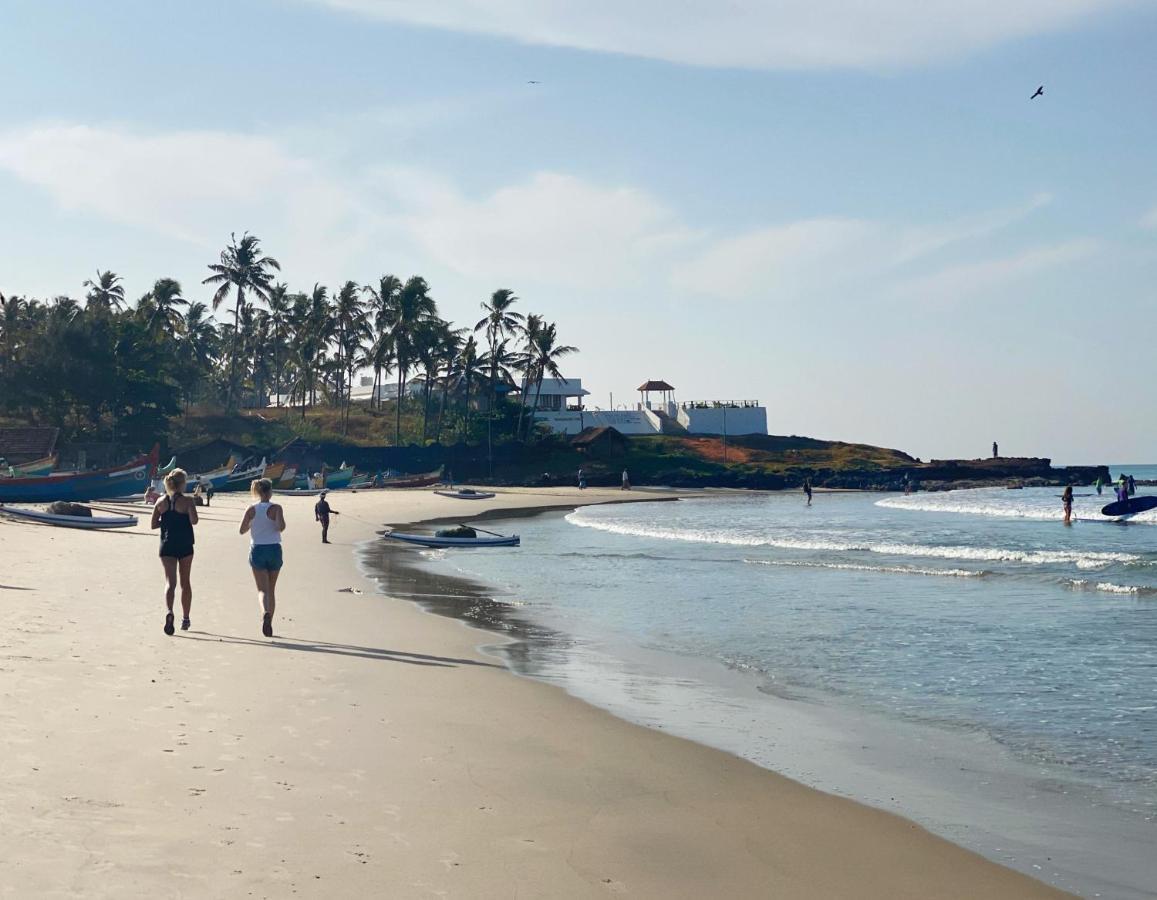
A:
(176, 527)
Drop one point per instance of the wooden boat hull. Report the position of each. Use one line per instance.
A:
(132, 478)
(460, 495)
(430, 540)
(93, 522)
(37, 468)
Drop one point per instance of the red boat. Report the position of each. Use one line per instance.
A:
(131, 478)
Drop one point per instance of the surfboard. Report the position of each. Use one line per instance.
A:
(1130, 507)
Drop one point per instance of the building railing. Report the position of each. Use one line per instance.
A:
(720, 404)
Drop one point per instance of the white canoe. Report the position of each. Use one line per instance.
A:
(70, 521)
(466, 495)
(430, 540)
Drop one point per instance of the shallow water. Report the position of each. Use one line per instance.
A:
(973, 621)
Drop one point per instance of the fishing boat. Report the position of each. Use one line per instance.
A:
(131, 478)
(286, 480)
(218, 477)
(466, 494)
(238, 479)
(428, 479)
(167, 468)
(339, 478)
(446, 540)
(37, 468)
(91, 522)
(298, 492)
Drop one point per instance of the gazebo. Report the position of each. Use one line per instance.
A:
(660, 387)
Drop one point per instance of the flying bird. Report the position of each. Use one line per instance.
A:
(534, 82)
(1040, 91)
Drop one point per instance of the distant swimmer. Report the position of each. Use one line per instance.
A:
(1099, 484)
(1040, 92)
(1067, 500)
(807, 489)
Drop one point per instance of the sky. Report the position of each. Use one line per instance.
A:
(852, 212)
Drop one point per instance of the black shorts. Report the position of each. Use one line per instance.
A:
(176, 551)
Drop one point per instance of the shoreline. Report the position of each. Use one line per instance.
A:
(371, 748)
(836, 762)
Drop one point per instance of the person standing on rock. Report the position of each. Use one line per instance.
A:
(995, 450)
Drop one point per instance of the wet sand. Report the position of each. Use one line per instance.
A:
(370, 749)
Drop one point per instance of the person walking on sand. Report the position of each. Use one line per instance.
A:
(264, 522)
(321, 513)
(807, 489)
(175, 515)
(626, 481)
(1067, 501)
(582, 479)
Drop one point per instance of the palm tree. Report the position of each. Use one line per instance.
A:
(12, 318)
(529, 334)
(546, 358)
(498, 323)
(280, 309)
(468, 368)
(106, 293)
(352, 328)
(312, 331)
(402, 314)
(197, 348)
(158, 308)
(382, 353)
(244, 267)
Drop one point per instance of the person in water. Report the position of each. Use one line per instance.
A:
(1067, 501)
(264, 522)
(175, 515)
(321, 513)
(1099, 484)
(1122, 487)
(1132, 485)
(807, 489)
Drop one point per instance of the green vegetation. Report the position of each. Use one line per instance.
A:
(164, 369)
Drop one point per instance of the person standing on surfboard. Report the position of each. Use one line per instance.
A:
(1067, 500)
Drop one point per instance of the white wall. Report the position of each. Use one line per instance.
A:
(626, 421)
(725, 420)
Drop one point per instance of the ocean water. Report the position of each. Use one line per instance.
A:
(962, 658)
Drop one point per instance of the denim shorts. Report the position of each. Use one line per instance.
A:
(265, 556)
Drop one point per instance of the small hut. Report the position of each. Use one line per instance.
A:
(665, 391)
(603, 442)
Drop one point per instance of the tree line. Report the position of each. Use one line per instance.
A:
(109, 367)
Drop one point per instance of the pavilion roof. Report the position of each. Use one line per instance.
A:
(655, 386)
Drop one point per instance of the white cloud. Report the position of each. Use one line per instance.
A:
(758, 34)
(559, 233)
(550, 228)
(975, 279)
(1149, 220)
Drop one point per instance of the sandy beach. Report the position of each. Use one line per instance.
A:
(369, 749)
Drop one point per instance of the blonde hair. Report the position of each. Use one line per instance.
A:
(175, 481)
(261, 487)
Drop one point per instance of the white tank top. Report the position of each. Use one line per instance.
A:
(264, 529)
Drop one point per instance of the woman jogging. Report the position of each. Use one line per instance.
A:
(263, 522)
(175, 515)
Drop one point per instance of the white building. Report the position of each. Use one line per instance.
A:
(562, 409)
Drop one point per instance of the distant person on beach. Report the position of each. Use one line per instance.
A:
(1067, 501)
(995, 450)
(807, 489)
(321, 513)
(907, 483)
(263, 522)
(175, 515)
(626, 481)
(582, 479)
